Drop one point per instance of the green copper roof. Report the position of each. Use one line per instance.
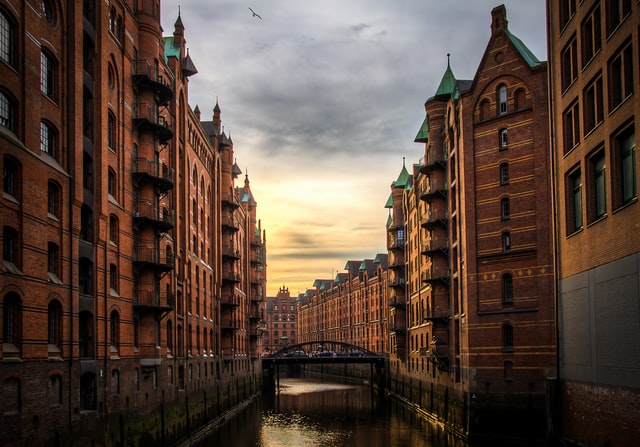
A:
(170, 49)
(389, 203)
(525, 52)
(389, 220)
(403, 177)
(448, 82)
(423, 133)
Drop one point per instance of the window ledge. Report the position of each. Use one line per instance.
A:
(54, 278)
(10, 267)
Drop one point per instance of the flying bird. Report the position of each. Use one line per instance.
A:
(255, 14)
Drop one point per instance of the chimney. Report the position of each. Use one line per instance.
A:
(499, 19)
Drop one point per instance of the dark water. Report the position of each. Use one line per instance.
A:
(315, 413)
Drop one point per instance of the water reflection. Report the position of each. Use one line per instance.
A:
(315, 413)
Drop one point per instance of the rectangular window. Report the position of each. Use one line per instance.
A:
(569, 63)
(52, 266)
(6, 39)
(617, 11)
(598, 205)
(506, 241)
(623, 154)
(504, 173)
(47, 140)
(571, 127)
(620, 76)
(574, 202)
(111, 131)
(503, 139)
(10, 245)
(567, 10)
(593, 104)
(505, 208)
(591, 30)
(6, 112)
(47, 75)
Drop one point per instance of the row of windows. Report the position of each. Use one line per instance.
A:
(12, 331)
(619, 81)
(615, 13)
(621, 158)
(519, 102)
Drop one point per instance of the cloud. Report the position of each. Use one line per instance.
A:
(323, 99)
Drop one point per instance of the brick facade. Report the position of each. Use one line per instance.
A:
(593, 49)
(133, 266)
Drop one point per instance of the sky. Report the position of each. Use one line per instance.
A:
(323, 99)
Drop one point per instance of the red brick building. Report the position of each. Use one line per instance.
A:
(133, 266)
(280, 321)
(350, 308)
(595, 79)
(475, 218)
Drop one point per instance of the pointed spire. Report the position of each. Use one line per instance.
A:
(178, 24)
(403, 177)
(448, 82)
(196, 111)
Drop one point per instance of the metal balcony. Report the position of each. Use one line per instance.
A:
(433, 189)
(230, 253)
(150, 170)
(435, 217)
(160, 260)
(148, 213)
(155, 78)
(434, 275)
(435, 245)
(435, 159)
(154, 301)
(146, 116)
(437, 314)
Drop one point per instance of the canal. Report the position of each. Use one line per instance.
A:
(312, 412)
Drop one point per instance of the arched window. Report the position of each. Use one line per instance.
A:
(502, 99)
(11, 323)
(7, 39)
(503, 140)
(11, 247)
(7, 111)
(54, 325)
(507, 289)
(48, 140)
(113, 229)
(169, 336)
(484, 109)
(11, 177)
(507, 337)
(53, 199)
(48, 76)
(504, 173)
(506, 241)
(505, 208)
(113, 279)
(111, 131)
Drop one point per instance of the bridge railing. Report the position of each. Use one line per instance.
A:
(323, 348)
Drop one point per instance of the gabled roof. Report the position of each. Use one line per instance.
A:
(524, 51)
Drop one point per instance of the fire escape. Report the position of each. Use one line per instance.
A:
(436, 249)
(153, 215)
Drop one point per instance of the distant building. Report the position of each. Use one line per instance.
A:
(472, 315)
(595, 104)
(280, 320)
(133, 266)
(350, 308)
